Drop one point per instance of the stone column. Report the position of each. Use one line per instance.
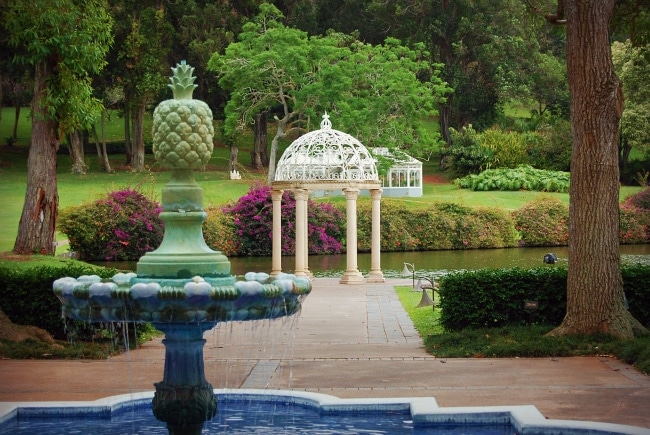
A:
(301, 196)
(307, 271)
(352, 274)
(276, 253)
(376, 274)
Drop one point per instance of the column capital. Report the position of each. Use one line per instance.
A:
(376, 193)
(276, 194)
(351, 192)
(301, 194)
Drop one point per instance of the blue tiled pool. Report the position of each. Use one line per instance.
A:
(273, 412)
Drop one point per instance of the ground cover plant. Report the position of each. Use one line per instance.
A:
(523, 177)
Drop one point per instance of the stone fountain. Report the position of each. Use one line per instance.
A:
(183, 288)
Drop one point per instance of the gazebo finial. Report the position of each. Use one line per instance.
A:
(325, 124)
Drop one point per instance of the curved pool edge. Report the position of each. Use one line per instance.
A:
(425, 412)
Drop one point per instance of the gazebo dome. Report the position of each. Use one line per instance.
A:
(326, 155)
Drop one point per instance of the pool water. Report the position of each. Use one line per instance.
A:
(236, 416)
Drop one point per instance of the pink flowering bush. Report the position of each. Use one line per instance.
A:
(543, 222)
(121, 227)
(252, 218)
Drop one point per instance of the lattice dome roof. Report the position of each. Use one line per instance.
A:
(326, 155)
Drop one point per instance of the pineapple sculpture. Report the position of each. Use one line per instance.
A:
(182, 142)
(182, 127)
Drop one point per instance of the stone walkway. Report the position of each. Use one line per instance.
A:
(352, 341)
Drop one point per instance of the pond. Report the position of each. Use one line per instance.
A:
(430, 263)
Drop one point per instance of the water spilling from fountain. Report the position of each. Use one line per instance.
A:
(183, 288)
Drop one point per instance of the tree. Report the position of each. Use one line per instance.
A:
(64, 41)
(373, 91)
(632, 65)
(595, 300)
(144, 37)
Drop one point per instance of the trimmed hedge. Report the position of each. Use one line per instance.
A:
(496, 297)
(27, 298)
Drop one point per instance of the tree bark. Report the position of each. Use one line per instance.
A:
(258, 154)
(137, 163)
(14, 133)
(595, 301)
(128, 145)
(77, 155)
(107, 163)
(234, 151)
(38, 219)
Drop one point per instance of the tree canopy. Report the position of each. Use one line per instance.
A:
(377, 93)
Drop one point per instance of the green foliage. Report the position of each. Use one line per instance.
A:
(640, 199)
(543, 222)
(632, 64)
(527, 341)
(637, 292)
(123, 226)
(492, 298)
(27, 298)
(280, 69)
(553, 150)
(75, 37)
(466, 155)
(496, 297)
(441, 226)
(509, 147)
(523, 177)
(219, 232)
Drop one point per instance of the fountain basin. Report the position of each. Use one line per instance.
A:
(198, 300)
(414, 415)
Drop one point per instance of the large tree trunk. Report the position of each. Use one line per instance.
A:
(38, 220)
(595, 300)
(128, 144)
(77, 154)
(258, 154)
(137, 163)
(14, 133)
(274, 150)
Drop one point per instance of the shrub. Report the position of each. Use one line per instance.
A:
(553, 152)
(219, 232)
(442, 226)
(496, 297)
(478, 227)
(123, 226)
(634, 224)
(466, 155)
(543, 222)
(640, 199)
(253, 221)
(27, 298)
(523, 177)
(509, 147)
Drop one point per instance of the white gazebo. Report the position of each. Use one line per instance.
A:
(328, 160)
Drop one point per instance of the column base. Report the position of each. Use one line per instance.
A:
(376, 276)
(352, 277)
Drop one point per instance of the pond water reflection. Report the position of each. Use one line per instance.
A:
(430, 263)
(433, 262)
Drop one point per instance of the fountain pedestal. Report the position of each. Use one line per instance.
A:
(184, 399)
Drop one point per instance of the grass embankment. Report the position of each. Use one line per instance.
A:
(529, 341)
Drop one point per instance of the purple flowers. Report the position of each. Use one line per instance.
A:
(123, 226)
(253, 220)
